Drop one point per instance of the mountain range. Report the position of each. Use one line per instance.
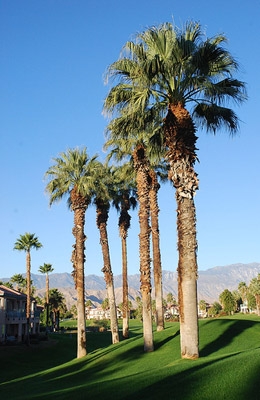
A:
(211, 283)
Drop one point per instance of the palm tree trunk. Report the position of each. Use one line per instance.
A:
(187, 280)
(28, 295)
(124, 224)
(142, 179)
(79, 207)
(257, 297)
(47, 302)
(102, 216)
(180, 139)
(125, 289)
(157, 265)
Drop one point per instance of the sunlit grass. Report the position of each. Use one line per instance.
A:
(228, 367)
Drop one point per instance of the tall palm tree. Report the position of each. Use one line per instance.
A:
(122, 149)
(186, 80)
(143, 182)
(25, 243)
(124, 198)
(141, 167)
(74, 175)
(46, 269)
(102, 197)
(157, 265)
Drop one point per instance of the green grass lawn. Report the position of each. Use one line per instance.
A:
(228, 367)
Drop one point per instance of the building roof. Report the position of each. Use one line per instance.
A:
(8, 292)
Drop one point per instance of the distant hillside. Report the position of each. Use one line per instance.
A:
(210, 283)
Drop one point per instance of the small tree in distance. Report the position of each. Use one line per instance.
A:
(228, 301)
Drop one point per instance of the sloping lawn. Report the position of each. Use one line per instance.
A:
(228, 367)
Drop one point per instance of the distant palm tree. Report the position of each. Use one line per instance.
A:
(74, 175)
(25, 243)
(20, 282)
(254, 289)
(46, 269)
(57, 303)
(243, 290)
(179, 78)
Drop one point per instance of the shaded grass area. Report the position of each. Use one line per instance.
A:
(228, 367)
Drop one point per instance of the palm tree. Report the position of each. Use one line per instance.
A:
(102, 197)
(74, 175)
(124, 198)
(182, 78)
(20, 282)
(243, 290)
(57, 303)
(46, 269)
(141, 167)
(157, 264)
(122, 149)
(25, 243)
(143, 182)
(254, 289)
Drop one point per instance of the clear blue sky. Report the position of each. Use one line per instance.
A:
(53, 57)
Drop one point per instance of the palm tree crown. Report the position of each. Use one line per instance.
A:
(167, 65)
(72, 170)
(27, 242)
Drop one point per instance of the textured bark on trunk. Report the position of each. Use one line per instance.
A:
(47, 302)
(187, 280)
(28, 296)
(157, 265)
(102, 217)
(257, 298)
(124, 224)
(125, 289)
(180, 139)
(79, 206)
(142, 179)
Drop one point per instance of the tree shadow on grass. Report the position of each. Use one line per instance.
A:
(161, 343)
(192, 383)
(233, 330)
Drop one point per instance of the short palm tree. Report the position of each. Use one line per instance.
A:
(74, 175)
(46, 269)
(25, 243)
(184, 80)
(57, 304)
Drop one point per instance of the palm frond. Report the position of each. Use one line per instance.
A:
(215, 117)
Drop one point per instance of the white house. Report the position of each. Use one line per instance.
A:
(99, 313)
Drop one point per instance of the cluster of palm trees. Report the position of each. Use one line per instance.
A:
(53, 297)
(25, 243)
(166, 84)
